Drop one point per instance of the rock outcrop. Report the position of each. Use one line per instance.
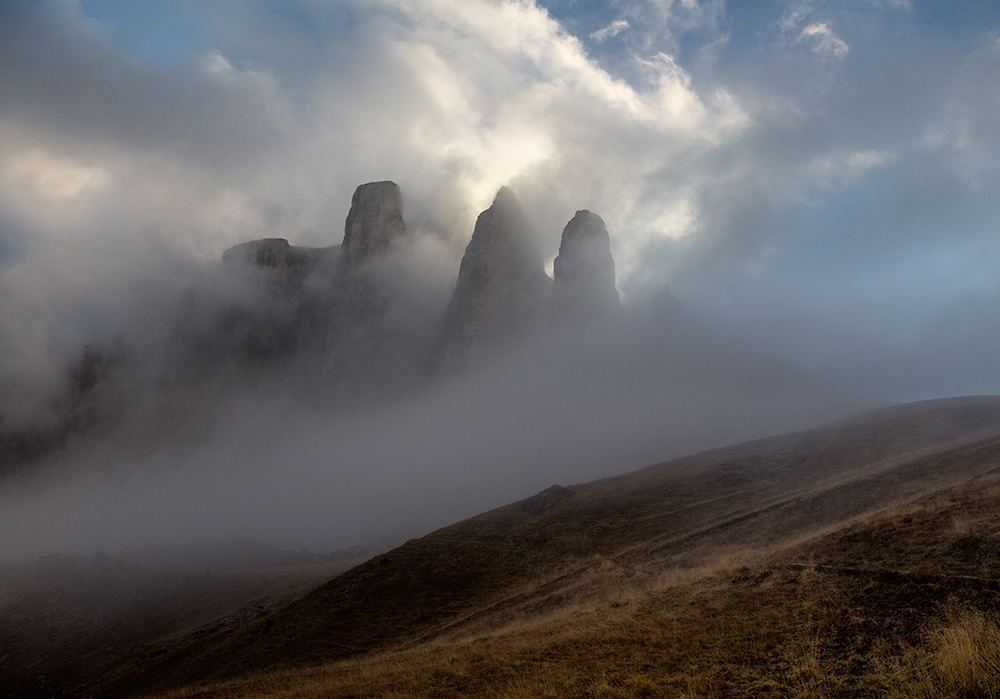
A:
(269, 312)
(361, 345)
(584, 271)
(337, 323)
(374, 222)
(287, 266)
(501, 285)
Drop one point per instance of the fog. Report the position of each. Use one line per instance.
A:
(566, 407)
(799, 201)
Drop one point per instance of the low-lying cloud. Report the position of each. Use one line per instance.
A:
(817, 197)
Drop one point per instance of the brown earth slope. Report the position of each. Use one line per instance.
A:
(846, 532)
(63, 616)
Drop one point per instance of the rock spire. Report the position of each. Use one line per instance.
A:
(501, 283)
(373, 223)
(360, 341)
(584, 271)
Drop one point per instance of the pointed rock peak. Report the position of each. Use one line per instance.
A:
(584, 271)
(506, 209)
(503, 237)
(374, 221)
(502, 245)
(501, 283)
(505, 197)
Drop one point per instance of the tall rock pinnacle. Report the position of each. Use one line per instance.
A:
(500, 287)
(373, 223)
(584, 271)
(358, 337)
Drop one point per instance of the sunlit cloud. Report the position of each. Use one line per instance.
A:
(732, 151)
(824, 41)
(766, 198)
(50, 180)
(610, 31)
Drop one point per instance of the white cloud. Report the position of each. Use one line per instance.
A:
(216, 64)
(793, 16)
(840, 168)
(610, 31)
(451, 99)
(763, 196)
(894, 4)
(241, 146)
(825, 42)
(559, 121)
(47, 180)
(660, 25)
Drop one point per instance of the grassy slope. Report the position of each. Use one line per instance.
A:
(62, 617)
(826, 562)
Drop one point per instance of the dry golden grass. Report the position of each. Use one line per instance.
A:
(967, 655)
(715, 637)
(960, 657)
(822, 564)
(740, 623)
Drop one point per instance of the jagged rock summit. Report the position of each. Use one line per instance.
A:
(501, 283)
(584, 271)
(374, 221)
(339, 323)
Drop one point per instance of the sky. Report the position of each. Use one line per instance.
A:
(817, 171)
(814, 180)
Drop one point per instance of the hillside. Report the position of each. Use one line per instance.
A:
(828, 561)
(61, 616)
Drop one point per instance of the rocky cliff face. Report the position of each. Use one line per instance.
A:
(269, 312)
(373, 223)
(362, 345)
(286, 266)
(501, 285)
(584, 271)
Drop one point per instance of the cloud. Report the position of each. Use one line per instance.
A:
(554, 410)
(835, 216)
(842, 168)
(667, 26)
(798, 25)
(231, 150)
(793, 16)
(894, 4)
(826, 43)
(38, 176)
(610, 31)
(114, 162)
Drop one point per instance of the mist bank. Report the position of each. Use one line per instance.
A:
(565, 408)
(323, 398)
(327, 397)
(813, 186)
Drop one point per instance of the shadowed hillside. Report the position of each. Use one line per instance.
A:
(751, 541)
(62, 616)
